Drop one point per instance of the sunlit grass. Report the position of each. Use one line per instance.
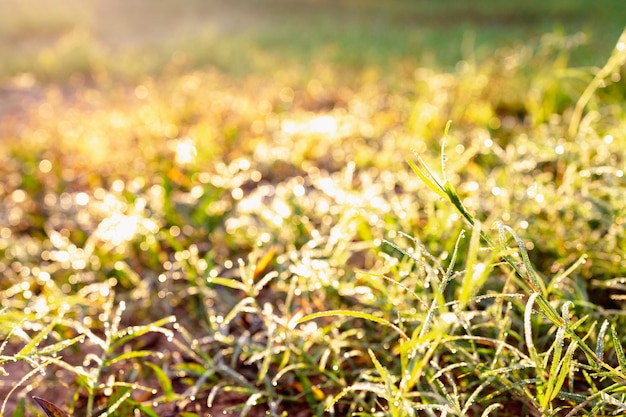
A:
(193, 241)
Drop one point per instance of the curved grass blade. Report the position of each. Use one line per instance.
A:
(357, 314)
(133, 354)
(615, 62)
(164, 381)
(134, 332)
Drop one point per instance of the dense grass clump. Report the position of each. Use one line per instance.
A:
(440, 242)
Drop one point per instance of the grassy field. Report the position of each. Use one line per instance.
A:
(314, 208)
(131, 39)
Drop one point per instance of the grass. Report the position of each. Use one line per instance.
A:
(358, 230)
(115, 39)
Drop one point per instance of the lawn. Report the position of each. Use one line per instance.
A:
(312, 208)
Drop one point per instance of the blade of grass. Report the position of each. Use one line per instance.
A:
(134, 332)
(164, 381)
(564, 369)
(356, 314)
(50, 409)
(600, 340)
(615, 62)
(472, 280)
(133, 354)
(619, 350)
(550, 389)
(31, 346)
(59, 346)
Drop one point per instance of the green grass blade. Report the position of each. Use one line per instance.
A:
(164, 381)
(132, 333)
(564, 369)
(59, 346)
(550, 390)
(619, 350)
(356, 314)
(35, 341)
(228, 282)
(615, 62)
(472, 280)
(379, 367)
(429, 179)
(133, 354)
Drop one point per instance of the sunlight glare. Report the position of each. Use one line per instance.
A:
(185, 151)
(117, 229)
(321, 125)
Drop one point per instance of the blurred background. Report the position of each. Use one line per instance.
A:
(58, 40)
